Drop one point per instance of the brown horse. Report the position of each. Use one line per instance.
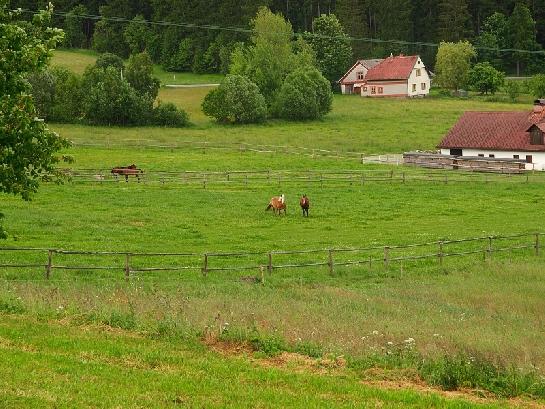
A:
(127, 171)
(277, 204)
(305, 204)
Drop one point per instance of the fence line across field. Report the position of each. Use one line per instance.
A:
(247, 177)
(276, 259)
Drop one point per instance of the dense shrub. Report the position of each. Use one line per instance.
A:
(537, 85)
(485, 79)
(305, 94)
(109, 60)
(513, 89)
(109, 99)
(236, 100)
(169, 115)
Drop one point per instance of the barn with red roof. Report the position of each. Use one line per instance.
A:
(501, 135)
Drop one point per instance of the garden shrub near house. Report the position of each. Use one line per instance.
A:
(484, 78)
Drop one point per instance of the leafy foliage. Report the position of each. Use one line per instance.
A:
(236, 100)
(74, 34)
(305, 95)
(27, 147)
(139, 74)
(537, 85)
(138, 35)
(333, 55)
(109, 60)
(169, 115)
(453, 64)
(485, 78)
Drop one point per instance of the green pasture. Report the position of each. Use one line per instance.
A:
(90, 366)
(115, 335)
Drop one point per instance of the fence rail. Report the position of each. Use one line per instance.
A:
(132, 262)
(279, 177)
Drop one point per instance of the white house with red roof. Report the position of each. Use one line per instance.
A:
(501, 135)
(399, 76)
(353, 80)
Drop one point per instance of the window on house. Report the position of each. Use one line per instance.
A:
(418, 72)
(380, 90)
(373, 90)
(516, 156)
(414, 87)
(423, 86)
(529, 159)
(491, 155)
(364, 89)
(360, 75)
(481, 155)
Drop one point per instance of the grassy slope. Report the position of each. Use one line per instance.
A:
(63, 366)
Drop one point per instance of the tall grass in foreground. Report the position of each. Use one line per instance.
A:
(476, 327)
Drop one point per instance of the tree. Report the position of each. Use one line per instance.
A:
(270, 57)
(494, 35)
(137, 35)
(522, 30)
(74, 34)
(28, 149)
(453, 64)
(109, 60)
(169, 115)
(109, 34)
(331, 46)
(139, 74)
(236, 100)
(305, 95)
(454, 21)
(483, 77)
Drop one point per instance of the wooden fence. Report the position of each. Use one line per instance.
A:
(279, 177)
(136, 263)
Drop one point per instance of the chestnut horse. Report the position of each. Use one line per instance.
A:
(127, 171)
(277, 204)
(305, 204)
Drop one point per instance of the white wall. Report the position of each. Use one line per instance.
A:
(538, 158)
(424, 78)
(394, 88)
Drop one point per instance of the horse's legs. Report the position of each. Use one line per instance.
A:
(126, 178)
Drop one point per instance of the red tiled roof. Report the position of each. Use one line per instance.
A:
(492, 130)
(393, 68)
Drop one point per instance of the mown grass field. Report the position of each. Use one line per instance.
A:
(140, 342)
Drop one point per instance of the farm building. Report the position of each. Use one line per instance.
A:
(501, 135)
(353, 80)
(399, 76)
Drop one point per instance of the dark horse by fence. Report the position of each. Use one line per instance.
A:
(305, 204)
(127, 171)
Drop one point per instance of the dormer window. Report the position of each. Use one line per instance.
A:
(536, 135)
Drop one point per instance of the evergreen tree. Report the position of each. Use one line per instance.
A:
(75, 26)
(522, 31)
(494, 35)
(453, 21)
(109, 35)
(354, 18)
(393, 22)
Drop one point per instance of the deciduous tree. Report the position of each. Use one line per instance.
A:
(453, 64)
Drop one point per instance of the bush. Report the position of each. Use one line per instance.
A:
(305, 94)
(110, 100)
(236, 100)
(537, 85)
(513, 89)
(169, 115)
(485, 78)
(109, 60)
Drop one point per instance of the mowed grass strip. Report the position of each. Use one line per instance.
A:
(53, 365)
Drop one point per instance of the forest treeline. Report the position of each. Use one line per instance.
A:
(488, 24)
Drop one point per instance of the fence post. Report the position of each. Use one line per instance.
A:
(270, 266)
(537, 244)
(489, 251)
(446, 179)
(440, 253)
(127, 266)
(403, 175)
(205, 265)
(49, 263)
(386, 256)
(330, 262)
